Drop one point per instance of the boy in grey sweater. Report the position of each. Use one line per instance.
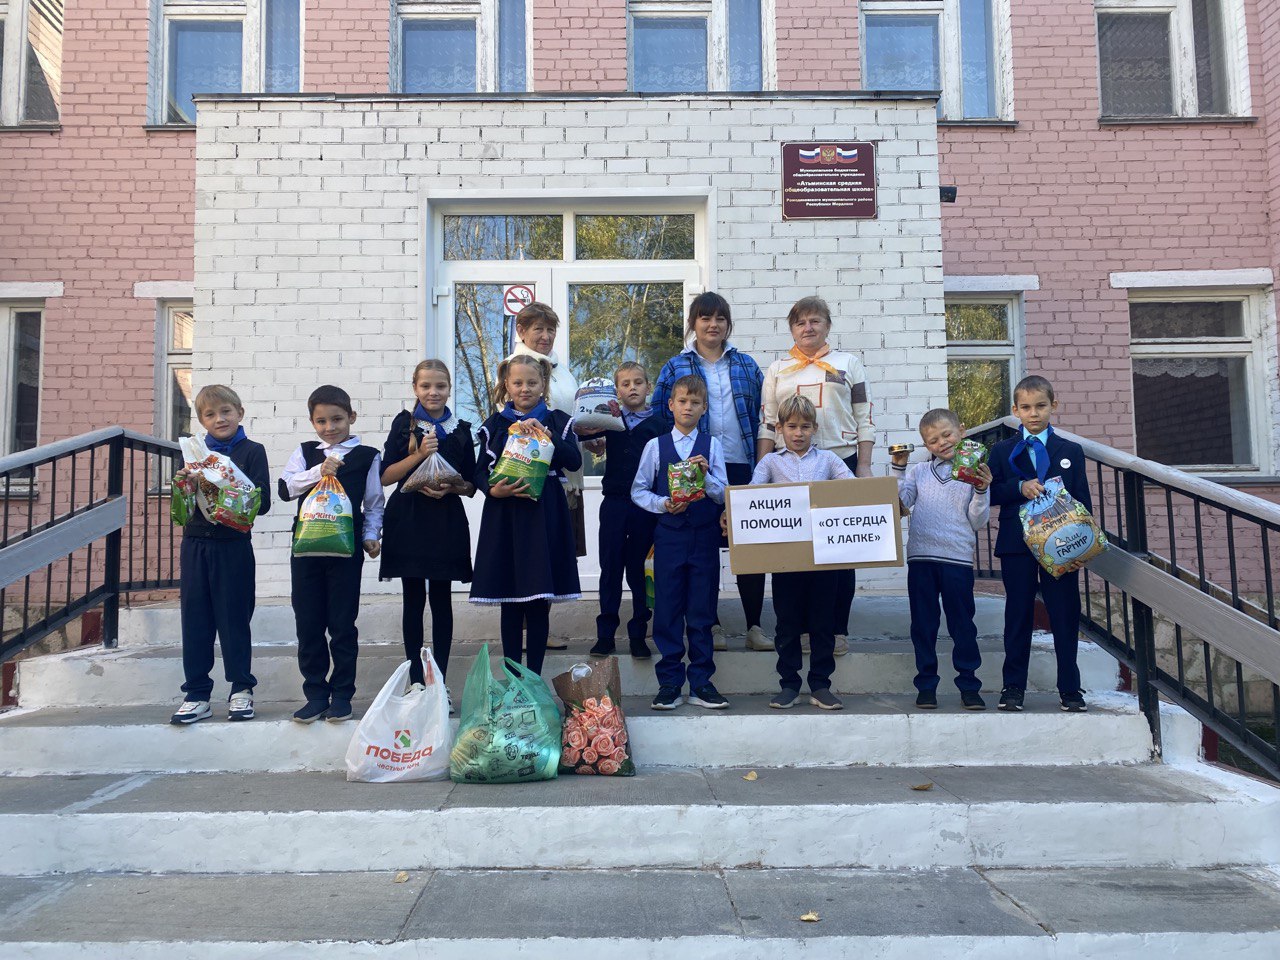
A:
(945, 515)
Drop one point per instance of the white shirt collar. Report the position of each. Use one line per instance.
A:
(677, 436)
(348, 444)
(692, 348)
(805, 456)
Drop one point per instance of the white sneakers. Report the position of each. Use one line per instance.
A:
(756, 640)
(842, 645)
(718, 639)
(190, 712)
(240, 707)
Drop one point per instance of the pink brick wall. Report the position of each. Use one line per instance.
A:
(1266, 53)
(346, 46)
(580, 45)
(818, 45)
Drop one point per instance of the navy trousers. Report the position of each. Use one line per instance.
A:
(848, 584)
(927, 581)
(626, 534)
(1022, 576)
(805, 601)
(326, 599)
(686, 582)
(216, 596)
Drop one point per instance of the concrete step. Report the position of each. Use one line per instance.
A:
(877, 729)
(1120, 914)
(153, 674)
(1023, 817)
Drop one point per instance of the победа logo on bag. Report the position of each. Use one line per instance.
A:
(400, 750)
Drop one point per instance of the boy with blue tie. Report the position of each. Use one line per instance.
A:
(686, 550)
(1019, 468)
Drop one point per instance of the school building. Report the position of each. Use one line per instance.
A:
(277, 194)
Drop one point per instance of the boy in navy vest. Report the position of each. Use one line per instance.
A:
(626, 530)
(1019, 468)
(326, 590)
(217, 587)
(686, 550)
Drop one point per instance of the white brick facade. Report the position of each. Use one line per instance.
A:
(311, 244)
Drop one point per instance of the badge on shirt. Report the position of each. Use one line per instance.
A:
(1064, 463)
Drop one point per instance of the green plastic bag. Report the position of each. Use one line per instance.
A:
(182, 500)
(509, 728)
(236, 508)
(325, 527)
(525, 456)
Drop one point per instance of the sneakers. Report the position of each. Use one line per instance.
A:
(1073, 702)
(756, 640)
(339, 711)
(191, 711)
(1011, 699)
(784, 699)
(311, 711)
(718, 639)
(804, 643)
(240, 707)
(972, 700)
(842, 645)
(709, 697)
(927, 700)
(824, 699)
(668, 698)
(603, 648)
(640, 650)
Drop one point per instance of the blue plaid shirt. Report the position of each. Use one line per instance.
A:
(747, 380)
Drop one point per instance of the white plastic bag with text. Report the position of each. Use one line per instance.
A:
(404, 735)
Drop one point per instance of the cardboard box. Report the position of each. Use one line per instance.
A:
(793, 527)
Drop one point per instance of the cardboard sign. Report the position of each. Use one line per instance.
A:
(842, 500)
(772, 514)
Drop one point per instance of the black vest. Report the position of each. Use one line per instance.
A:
(353, 475)
(622, 450)
(700, 513)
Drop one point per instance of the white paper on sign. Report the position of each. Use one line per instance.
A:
(854, 534)
(775, 514)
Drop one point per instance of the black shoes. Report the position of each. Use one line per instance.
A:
(1011, 699)
(785, 699)
(311, 711)
(668, 698)
(603, 648)
(339, 710)
(971, 700)
(640, 650)
(927, 700)
(709, 697)
(1073, 702)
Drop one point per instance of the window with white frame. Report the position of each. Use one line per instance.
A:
(1172, 58)
(984, 356)
(1198, 384)
(690, 46)
(209, 46)
(960, 47)
(30, 61)
(20, 338)
(173, 370)
(461, 46)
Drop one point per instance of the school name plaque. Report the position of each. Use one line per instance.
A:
(828, 181)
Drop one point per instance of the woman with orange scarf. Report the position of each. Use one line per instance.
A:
(836, 383)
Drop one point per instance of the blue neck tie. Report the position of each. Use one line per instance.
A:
(1039, 456)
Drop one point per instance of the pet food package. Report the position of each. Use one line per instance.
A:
(595, 740)
(213, 473)
(526, 456)
(236, 508)
(325, 526)
(1059, 531)
(182, 500)
(686, 481)
(596, 407)
(435, 473)
(964, 465)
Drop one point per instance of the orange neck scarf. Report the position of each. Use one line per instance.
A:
(803, 360)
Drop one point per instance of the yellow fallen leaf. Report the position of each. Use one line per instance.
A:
(810, 917)
(922, 786)
(401, 877)
(752, 777)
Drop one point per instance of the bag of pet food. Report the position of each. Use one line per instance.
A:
(596, 407)
(686, 481)
(595, 737)
(1059, 531)
(435, 473)
(969, 456)
(212, 473)
(508, 729)
(236, 508)
(182, 500)
(325, 526)
(526, 456)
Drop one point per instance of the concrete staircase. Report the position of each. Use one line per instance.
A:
(907, 833)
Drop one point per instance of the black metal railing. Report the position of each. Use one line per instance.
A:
(85, 521)
(1185, 598)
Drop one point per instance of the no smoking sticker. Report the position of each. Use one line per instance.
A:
(516, 297)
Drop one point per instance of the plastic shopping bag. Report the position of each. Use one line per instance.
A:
(595, 737)
(182, 500)
(213, 473)
(404, 735)
(236, 508)
(435, 473)
(596, 407)
(968, 457)
(510, 727)
(325, 526)
(1059, 531)
(526, 456)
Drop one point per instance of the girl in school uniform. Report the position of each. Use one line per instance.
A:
(525, 557)
(426, 541)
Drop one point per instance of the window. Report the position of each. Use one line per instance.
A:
(461, 46)
(690, 46)
(20, 336)
(30, 61)
(1167, 58)
(984, 356)
(955, 46)
(173, 371)
(207, 46)
(1195, 374)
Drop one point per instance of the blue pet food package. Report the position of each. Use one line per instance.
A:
(1060, 533)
